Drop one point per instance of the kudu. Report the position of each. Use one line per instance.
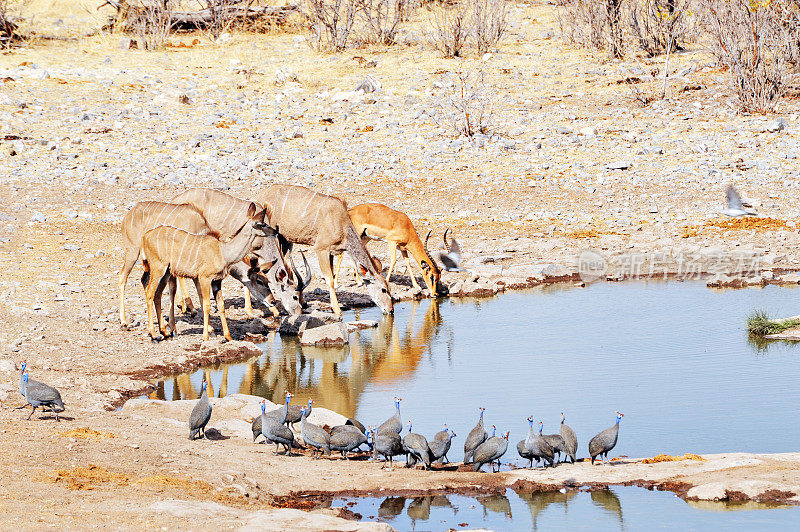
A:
(225, 214)
(374, 221)
(170, 252)
(320, 221)
(144, 216)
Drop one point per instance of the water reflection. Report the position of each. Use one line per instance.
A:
(334, 377)
(571, 510)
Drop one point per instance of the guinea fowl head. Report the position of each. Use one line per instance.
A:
(24, 365)
(562, 417)
(541, 426)
(445, 428)
(409, 427)
(494, 430)
(310, 402)
(302, 412)
(205, 385)
(397, 402)
(530, 420)
(263, 406)
(505, 436)
(620, 415)
(289, 396)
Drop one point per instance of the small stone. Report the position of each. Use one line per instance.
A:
(588, 131)
(38, 217)
(370, 84)
(773, 126)
(126, 43)
(335, 334)
(619, 165)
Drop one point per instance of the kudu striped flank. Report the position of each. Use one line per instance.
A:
(170, 252)
(313, 219)
(144, 216)
(225, 214)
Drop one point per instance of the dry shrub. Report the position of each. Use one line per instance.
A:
(669, 458)
(331, 22)
(755, 39)
(382, 19)
(225, 14)
(660, 25)
(489, 20)
(592, 24)
(149, 20)
(449, 34)
(468, 104)
(7, 28)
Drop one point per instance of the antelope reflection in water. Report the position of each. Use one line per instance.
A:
(334, 377)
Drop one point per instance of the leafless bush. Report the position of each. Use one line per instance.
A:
(468, 105)
(149, 20)
(382, 19)
(489, 23)
(751, 38)
(7, 28)
(332, 22)
(592, 24)
(659, 25)
(450, 33)
(225, 14)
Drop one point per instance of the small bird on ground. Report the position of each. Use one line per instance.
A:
(201, 413)
(39, 394)
(735, 205)
(604, 442)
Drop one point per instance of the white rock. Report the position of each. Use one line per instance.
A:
(335, 334)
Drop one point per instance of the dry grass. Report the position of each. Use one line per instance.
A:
(86, 433)
(734, 224)
(669, 458)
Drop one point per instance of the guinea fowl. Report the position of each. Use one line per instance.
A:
(275, 431)
(346, 438)
(22, 379)
(537, 446)
(490, 451)
(451, 258)
(279, 414)
(441, 444)
(522, 450)
(416, 447)
(557, 443)
(39, 394)
(394, 423)
(601, 444)
(314, 436)
(387, 444)
(475, 437)
(356, 423)
(200, 415)
(570, 440)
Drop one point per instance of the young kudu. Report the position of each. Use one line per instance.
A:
(320, 221)
(374, 221)
(225, 214)
(170, 253)
(144, 216)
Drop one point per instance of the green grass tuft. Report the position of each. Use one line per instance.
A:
(759, 324)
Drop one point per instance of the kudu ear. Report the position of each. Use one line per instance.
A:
(252, 209)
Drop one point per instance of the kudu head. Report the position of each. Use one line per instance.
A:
(272, 271)
(430, 271)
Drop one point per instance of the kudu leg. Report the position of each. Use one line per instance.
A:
(150, 298)
(173, 288)
(326, 265)
(128, 262)
(205, 297)
(184, 299)
(338, 269)
(248, 304)
(162, 325)
(216, 287)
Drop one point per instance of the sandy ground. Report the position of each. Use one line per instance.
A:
(580, 165)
